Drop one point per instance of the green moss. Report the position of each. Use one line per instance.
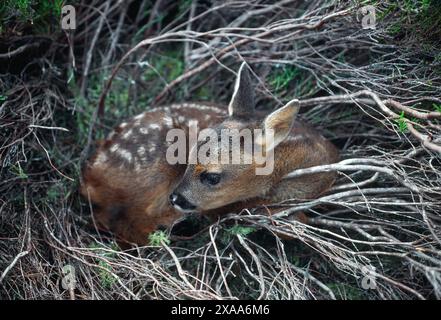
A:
(107, 279)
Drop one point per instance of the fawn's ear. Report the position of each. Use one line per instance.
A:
(242, 101)
(280, 122)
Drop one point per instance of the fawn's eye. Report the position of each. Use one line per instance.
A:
(210, 178)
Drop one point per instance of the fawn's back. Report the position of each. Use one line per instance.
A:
(134, 190)
(128, 180)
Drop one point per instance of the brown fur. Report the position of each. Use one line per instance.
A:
(133, 204)
(128, 180)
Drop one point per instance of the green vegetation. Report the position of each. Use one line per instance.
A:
(346, 291)
(17, 170)
(158, 238)
(105, 269)
(40, 14)
(414, 19)
(292, 79)
(229, 234)
(105, 275)
(43, 92)
(167, 65)
(394, 29)
(240, 230)
(160, 69)
(283, 77)
(401, 123)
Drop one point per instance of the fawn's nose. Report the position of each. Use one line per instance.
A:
(180, 202)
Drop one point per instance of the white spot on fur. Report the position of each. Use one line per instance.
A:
(114, 148)
(152, 149)
(139, 116)
(141, 150)
(168, 121)
(154, 126)
(125, 154)
(101, 158)
(127, 134)
(111, 135)
(199, 107)
(296, 137)
(123, 125)
(143, 130)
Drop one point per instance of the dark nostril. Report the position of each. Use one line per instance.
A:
(178, 200)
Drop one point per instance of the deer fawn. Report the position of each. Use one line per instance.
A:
(135, 190)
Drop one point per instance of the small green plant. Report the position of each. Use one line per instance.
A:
(105, 275)
(169, 64)
(240, 230)
(415, 120)
(401, 123)
(158, 238)
(18, 171)
(3, 98)
(53, 192)
(283, 77)
(230, 233)
(295, 261)
(105, 269)
(24, 7)
(437, 107)
(394, 29)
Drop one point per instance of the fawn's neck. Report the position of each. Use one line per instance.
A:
(291, 156)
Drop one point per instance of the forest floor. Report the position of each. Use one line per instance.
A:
(367, 74)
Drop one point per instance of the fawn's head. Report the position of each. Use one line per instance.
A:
(227, 171)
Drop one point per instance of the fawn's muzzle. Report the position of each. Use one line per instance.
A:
(181, 203)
